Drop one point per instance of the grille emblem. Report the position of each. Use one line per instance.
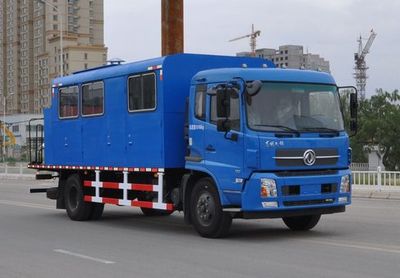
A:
(309, 157)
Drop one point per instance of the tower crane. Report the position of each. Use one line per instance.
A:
(253, 39)
(360, 68)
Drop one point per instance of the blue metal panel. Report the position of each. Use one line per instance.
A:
(67, 145)
(48, 139)
(145, 134)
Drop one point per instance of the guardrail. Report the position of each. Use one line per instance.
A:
(376, 178)
(19, 170)
(357, 166)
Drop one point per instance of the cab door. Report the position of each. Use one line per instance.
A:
(196, 126)
(224, 156)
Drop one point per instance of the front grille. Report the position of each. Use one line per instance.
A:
(306, 173)
(294, 157)
(308, 202)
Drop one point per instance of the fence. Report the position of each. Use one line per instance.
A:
(376, 178)
(19, 170)
(356, 166)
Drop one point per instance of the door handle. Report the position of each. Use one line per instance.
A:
(210, 148)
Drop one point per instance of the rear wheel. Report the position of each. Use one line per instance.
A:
(206, 211)
(77, 208)
(302, 223)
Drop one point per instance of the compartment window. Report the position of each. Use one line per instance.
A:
(200, 102)
(68, 105)
(142, 92)
(93, 99)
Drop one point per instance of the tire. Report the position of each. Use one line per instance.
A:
(77, 208)
(155, 212)
(97, 211)
(301, 223)
(206, 211)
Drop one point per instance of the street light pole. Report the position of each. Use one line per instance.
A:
(61, 33)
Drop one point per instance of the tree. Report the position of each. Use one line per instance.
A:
(379, 119)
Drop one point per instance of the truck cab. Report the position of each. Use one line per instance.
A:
(273, 141)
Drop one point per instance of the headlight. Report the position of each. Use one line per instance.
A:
(268, 188)
(345, 184)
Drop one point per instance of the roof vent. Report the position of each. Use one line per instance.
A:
(115, 61)
(244, 65)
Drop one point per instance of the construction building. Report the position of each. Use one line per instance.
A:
(43, 39)
(291, 56)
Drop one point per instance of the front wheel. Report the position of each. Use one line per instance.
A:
(301, 223)
(206, 211)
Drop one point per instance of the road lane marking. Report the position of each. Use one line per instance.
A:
(24, 204)
(381, 248)
(81, 256)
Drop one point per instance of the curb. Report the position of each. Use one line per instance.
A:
(389, 195)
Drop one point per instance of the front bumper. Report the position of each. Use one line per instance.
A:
(296, 194)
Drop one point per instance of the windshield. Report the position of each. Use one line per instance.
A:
(295, 107)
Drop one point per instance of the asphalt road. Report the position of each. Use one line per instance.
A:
(38, 241)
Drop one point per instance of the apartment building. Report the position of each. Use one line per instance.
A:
(293, 57)
(43, 39)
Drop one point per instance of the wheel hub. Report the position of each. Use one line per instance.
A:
(205, 209)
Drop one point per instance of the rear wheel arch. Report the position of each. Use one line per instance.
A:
(63, 176)
(77, 208)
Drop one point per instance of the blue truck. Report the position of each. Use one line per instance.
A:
(215, 137)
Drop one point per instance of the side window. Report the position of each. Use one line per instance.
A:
(142, 92)
(93, 99)
(68, 104)
(235, 112)
(200, 102)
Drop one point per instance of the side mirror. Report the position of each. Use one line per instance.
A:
(223, 125)
(224, 94)
(223, 104)
(349, 104)
(253, 88)
(353, 105)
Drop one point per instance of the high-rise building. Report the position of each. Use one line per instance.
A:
(32, 34)
(293, 57)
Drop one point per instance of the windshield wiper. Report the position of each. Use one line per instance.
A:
(286, 128)
(321, 128)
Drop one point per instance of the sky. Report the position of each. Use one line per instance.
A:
(326, 27)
